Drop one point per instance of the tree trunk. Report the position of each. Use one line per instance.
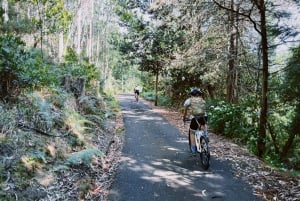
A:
(287, 146)
(273, 136)
(156, 88)
(79, 29)
(231, 55)
(61, 46)
(237, 86)
(295, 130)
(264, 102)
(91, 33)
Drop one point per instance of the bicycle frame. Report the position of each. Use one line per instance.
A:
(201, 142)
(136, 96)
(198, 134)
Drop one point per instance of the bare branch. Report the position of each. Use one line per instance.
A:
(248, 16)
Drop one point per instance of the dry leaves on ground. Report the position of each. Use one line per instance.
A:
(267, 182)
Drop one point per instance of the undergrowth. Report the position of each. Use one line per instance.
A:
(48, 129)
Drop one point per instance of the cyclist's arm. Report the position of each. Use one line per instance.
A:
(184, 114)
(186, 104)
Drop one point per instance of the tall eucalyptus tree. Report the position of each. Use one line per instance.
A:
(151, 39)
(256, 12)
(49, 18)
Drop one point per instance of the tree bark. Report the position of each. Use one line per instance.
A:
(61, 46)
(79, 29)
(156, 88)
(273, 136)
(295, 130)
(264, 102)
(233, 73)
(230, 75)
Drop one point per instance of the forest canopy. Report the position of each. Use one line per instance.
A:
(231, 49)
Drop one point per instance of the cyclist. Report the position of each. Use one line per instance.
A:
(198, 109)
(136, 92)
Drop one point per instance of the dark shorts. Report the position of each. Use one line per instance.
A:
(201, 120)
(137, 92)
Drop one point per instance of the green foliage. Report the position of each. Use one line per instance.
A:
(83, 157)
(59, 97)
(112, 104)
(38, 72)
(71, 56)
(12, 58)
(31, 162)
(237, 121)
(2, 174)
(90, 105)
(76, 123)
(162, 100)
(152, 43)
(39, 113)
(180, 83)
(75, 68)
(150, 96)
(38, 156)
(95, 109)
(286, 116)
(291, 85)
(20, 68)
(18, 22)
(7, 120)
(52, 16)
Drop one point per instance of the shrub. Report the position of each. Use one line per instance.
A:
(20, 68)
(75, 68)
(236, 121)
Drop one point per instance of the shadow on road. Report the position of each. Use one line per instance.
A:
(156, 163)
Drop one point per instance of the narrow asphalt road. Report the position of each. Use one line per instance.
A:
(156, 164)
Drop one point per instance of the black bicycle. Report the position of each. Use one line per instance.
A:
(202, 146)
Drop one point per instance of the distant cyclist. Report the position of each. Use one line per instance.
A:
(136, 93)
(198, 109)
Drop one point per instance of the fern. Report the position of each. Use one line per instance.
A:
(77, 124)
(7, 120)
(38, 110)
(38, 156)
(83, 157)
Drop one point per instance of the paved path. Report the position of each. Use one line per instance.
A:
(156, 164)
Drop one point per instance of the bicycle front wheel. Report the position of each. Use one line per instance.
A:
(190, 140)
(205, 154)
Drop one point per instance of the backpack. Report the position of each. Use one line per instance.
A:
(197, 105)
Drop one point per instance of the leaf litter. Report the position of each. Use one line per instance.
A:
(267, 182)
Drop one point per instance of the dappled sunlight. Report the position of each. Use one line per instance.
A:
(182, 140)
(44, 178)
(172, 149)
(145, 116)
(172, 178)
(75, 124)
(169, 173)
(164, 111)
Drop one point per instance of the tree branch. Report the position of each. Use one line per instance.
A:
(248, 16)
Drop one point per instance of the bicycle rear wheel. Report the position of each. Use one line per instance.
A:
(190, 140)
(205, 154)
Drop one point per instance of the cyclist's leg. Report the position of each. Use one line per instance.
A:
(193, 143)
(193, 126)
(204, 125)
(135, 95)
